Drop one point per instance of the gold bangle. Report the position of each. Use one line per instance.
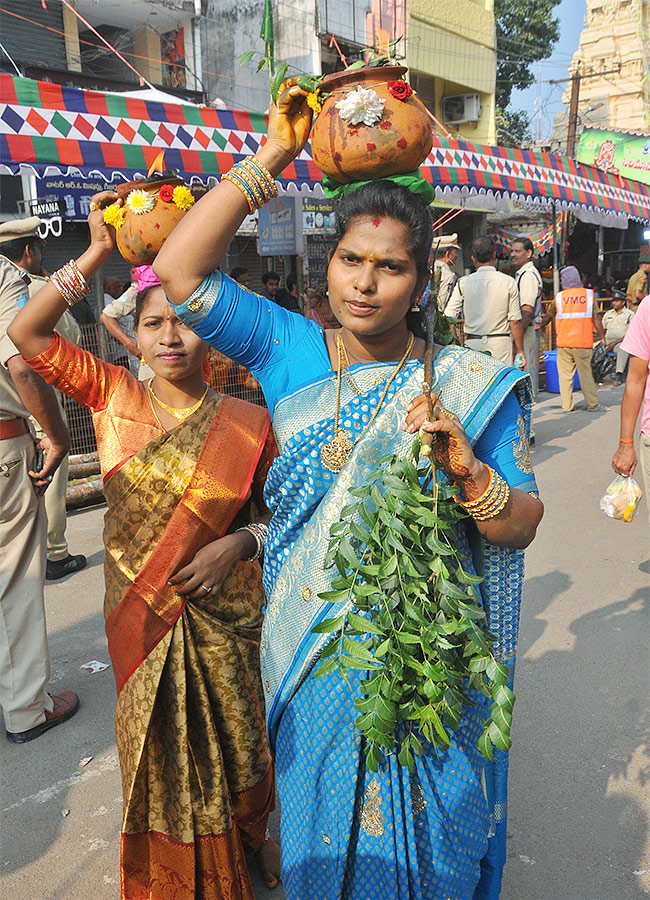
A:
(491, 502)
(243, 188)
(261, 176)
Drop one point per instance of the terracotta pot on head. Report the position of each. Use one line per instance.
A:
(143, 233)
(396, 144)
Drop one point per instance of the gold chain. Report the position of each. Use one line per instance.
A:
(340, 346)
(336, 453)
(180, 414)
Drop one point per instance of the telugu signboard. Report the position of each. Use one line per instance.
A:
(617, 152)
(71, 195)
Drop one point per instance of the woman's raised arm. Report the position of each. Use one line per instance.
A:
(199, 242)
(33, 328)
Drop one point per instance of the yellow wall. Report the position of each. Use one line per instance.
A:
(461, 59)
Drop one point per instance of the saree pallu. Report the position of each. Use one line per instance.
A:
(437, 833)
(196, 771)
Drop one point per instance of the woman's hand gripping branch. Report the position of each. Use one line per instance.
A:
(516, 524)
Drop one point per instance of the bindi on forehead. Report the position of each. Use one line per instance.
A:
(376, 221)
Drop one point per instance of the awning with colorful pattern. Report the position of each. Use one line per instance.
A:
(48, 129)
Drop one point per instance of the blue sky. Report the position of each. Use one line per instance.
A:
(571, 14)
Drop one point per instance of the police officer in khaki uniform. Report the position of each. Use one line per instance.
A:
(24, 660)
(27, 255)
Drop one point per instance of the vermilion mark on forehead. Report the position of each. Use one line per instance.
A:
(376, 222)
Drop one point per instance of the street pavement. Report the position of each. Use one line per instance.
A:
(580, 764)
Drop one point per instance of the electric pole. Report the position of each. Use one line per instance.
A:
(573, 113)
(575, 80)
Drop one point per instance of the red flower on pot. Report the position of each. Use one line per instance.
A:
(400, 89)
(166, 193)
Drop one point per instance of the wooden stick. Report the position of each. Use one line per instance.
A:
(431, 308)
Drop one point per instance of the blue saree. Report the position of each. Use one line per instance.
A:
(437, 833)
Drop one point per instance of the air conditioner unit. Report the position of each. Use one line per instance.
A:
(461, 108)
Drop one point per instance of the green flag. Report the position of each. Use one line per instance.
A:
(267, 32)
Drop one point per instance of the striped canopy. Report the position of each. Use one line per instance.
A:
(49, 129)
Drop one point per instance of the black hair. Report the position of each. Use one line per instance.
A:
(270, 276)
(525, 242)
(386, 199)
(292, 281)
(14, 250)
(140, 301)
(483, 248)
(237, 271)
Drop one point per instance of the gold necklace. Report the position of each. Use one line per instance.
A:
(182, 413)
(336, 452)
(340, 347)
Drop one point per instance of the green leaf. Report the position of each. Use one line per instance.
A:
(356, 649)
(503, 696)
(335, 596)
(450, 589)
(479, 663)
(328, 625)
(439, 727)
(500, 740)
(387, 568)
(276, 80)
(365, 626)
(245, 57)
(485, 746)
(466, 578)
(502, 719)
(326, 667)
(471, 611)
(497, 672)
(262, 64)
(353, 662)
(359, 64)
(406, 757)
(405, 637)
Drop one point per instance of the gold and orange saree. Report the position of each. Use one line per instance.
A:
(196, 769)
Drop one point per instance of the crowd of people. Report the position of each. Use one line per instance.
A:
(214, 655)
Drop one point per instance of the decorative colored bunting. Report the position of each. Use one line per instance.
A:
(52, 128)
(542, 240)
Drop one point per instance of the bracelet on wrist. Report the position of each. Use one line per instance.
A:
(491, 502)
(621, 441)
(259, 531)
(70, 282)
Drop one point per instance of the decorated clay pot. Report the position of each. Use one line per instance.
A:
(143, 232)
(398, 142)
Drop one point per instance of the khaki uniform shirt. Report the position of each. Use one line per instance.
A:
(529, 285)
(489, 299)
(447, 279)
(638, 282)
(13, 294)
(616, 323)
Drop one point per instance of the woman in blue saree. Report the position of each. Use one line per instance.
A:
(437, 832)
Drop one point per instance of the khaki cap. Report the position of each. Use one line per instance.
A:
(19, 228)
(446, 241)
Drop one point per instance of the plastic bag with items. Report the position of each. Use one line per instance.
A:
(621, 498)
(602, 364)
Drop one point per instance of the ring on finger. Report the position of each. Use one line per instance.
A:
(208, 590)
(93, 206)
(448, 415)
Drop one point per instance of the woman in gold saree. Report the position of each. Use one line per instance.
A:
(183, 604)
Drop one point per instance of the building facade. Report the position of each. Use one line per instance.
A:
(614, 41)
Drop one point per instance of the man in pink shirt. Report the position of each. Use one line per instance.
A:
(637, 391)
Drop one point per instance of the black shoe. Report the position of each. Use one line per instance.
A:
(617, 379)
(65, 706)
(62, 567)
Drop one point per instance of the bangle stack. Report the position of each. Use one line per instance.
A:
(71, 283)
(259, 531)
(254, 181)
(491, 502)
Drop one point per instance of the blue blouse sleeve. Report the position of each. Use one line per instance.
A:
(255, 332)
(504, 446)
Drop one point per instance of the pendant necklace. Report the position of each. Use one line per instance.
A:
(182, 413)
(336, 452)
